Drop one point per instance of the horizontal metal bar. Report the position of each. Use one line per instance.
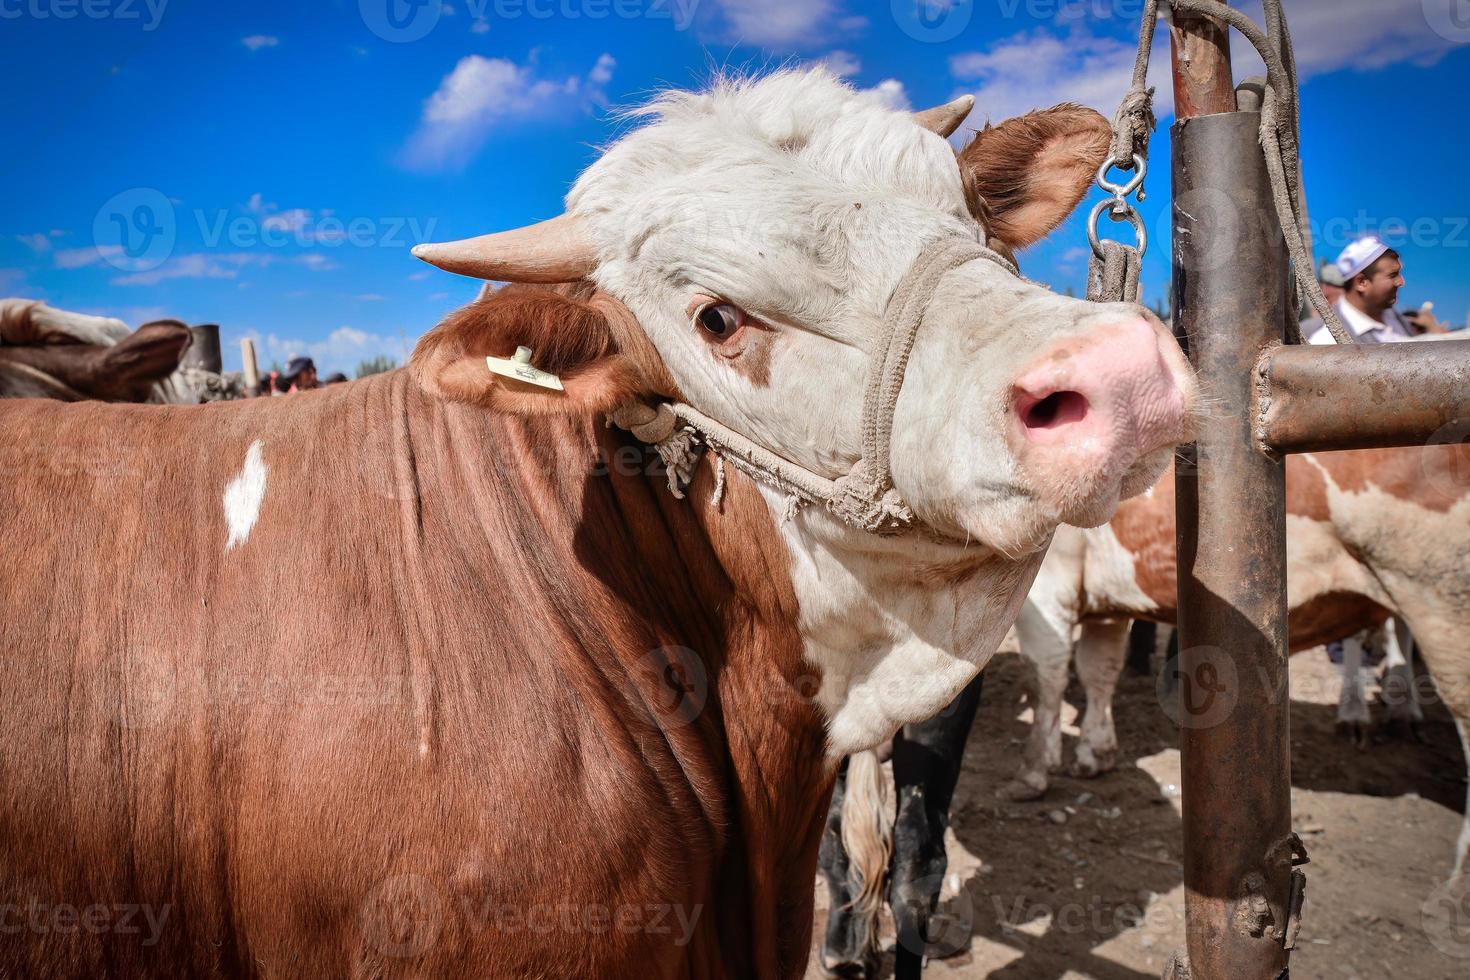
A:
(1370, 396)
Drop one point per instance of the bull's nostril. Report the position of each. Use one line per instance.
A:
(1057, 409)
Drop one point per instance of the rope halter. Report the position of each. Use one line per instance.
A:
(864, 499)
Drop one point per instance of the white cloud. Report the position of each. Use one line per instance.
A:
(80, 258)
(39, 243)
(134, 316)
(301, 224)
(257, 41)
(784, 22)
(1039, 70)
(481, 94)
(892, 94)
(602, 72)
(220, 265)
(195, 266)
(10, 279)
(842, 63)
(1043, 67)
(1364, 35)
(480, 26)
(370, 297)
(342, 350)
(317, 262)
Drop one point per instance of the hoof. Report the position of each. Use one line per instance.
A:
(1096, 766)
(1354, 732)
(1402, 730)
(1023, 789)
(845, 969)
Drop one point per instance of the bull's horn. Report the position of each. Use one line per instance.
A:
(552, 251)
(945, 119)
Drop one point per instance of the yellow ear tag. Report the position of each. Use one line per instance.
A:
(520, 368)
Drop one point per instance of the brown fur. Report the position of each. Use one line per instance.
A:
(1150, 542)
(1023, 177)
(1145, 527)
(1434, 477)
(422, 701)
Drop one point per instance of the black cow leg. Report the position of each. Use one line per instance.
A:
(1142, 639)
(845, 946)
(926, 767)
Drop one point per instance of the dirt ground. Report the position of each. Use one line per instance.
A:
(1087, 882)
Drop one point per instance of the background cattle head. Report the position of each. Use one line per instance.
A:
(746, 241)
(48, 353)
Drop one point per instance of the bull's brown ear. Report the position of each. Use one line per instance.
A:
(148, 354)
(1032, 171)
(571, 337)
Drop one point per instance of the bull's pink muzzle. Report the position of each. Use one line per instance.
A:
(1091, 406)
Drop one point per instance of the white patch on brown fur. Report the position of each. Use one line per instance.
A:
(243, 497)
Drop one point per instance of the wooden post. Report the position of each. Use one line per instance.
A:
(252, 368)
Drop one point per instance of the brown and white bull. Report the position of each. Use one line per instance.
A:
(430, 675)
(1370, 534)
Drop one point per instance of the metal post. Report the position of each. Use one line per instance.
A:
(1316, 399)
(1230, 278)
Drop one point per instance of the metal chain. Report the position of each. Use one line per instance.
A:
(1280, 134)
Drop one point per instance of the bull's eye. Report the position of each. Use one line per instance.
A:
(721, 320)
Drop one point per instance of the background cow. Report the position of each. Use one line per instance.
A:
(412, 717)
(51, 353)
(1369, 534)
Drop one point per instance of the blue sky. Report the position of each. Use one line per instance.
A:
(267, 165)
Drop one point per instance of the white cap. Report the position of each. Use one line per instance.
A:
(1359, 255)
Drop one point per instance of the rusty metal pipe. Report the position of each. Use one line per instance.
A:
(1231, 281)
(1318, 399)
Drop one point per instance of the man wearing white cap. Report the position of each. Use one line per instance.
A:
(1372, 276)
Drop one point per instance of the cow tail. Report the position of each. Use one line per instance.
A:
(867, 836)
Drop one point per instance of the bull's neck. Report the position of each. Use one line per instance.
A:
(701, 620)
(897, 626)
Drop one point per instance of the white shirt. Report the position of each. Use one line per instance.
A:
(1365, 329)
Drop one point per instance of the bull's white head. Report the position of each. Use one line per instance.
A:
(755, 232)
